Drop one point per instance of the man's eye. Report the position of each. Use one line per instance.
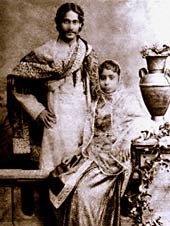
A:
(66, 21)
(75, 21)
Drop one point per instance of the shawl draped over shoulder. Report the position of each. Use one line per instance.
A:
(31, 75)
(119, 119)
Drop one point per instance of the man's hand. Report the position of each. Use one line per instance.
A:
(48, 118)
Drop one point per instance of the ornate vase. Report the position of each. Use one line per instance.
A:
(155, 86)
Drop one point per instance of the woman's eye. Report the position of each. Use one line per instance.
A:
(103, 77)
(112, 77)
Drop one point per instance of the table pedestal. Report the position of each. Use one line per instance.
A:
(152, 168)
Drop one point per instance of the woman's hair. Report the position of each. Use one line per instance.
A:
(109, 65)
(63, 9)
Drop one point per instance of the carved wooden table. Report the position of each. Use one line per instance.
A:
(154, 163)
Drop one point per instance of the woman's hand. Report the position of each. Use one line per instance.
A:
(48, 118)
(121, 150)
(124, 154)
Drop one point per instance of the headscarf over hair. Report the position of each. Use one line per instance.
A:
(110, 65)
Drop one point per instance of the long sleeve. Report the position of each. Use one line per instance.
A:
(30, 104)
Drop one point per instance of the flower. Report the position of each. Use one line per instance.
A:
(155, 50)
(160, 138)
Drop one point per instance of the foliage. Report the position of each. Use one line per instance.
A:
(140, 203)
(155, 50)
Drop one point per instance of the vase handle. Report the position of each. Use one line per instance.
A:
(142, 72)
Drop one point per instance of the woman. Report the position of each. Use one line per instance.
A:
(93, 182)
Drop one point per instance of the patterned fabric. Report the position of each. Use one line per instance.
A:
(38, 65)
(49, 76)
(119, 118)
(94, 199)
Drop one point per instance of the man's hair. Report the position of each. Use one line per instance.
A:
(63, 9)
(109, 65)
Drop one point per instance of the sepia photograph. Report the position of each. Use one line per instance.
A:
(84, 113)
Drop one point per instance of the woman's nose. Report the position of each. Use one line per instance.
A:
(106, 81)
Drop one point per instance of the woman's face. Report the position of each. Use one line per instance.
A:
(109, 80)
(70, 26)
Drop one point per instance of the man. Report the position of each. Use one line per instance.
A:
(51, 91)
(56, 84)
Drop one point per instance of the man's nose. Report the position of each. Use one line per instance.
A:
(71, 25)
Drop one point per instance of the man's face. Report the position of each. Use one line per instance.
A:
(109, 81)
(70, 26)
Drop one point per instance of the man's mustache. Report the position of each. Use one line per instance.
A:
(70, 31)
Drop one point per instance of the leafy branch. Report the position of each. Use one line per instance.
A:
(155, 50)
(140, 210)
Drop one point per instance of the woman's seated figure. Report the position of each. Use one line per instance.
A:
(101, 171)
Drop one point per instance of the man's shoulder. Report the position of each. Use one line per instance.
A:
(46, 45)
(36, 53)
(88, 46)
(89, 49)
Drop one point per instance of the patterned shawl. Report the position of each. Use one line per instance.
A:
(33, 71)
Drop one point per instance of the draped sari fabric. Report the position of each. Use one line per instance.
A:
(90, 196)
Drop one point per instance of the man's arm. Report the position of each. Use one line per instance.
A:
(29, 103)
